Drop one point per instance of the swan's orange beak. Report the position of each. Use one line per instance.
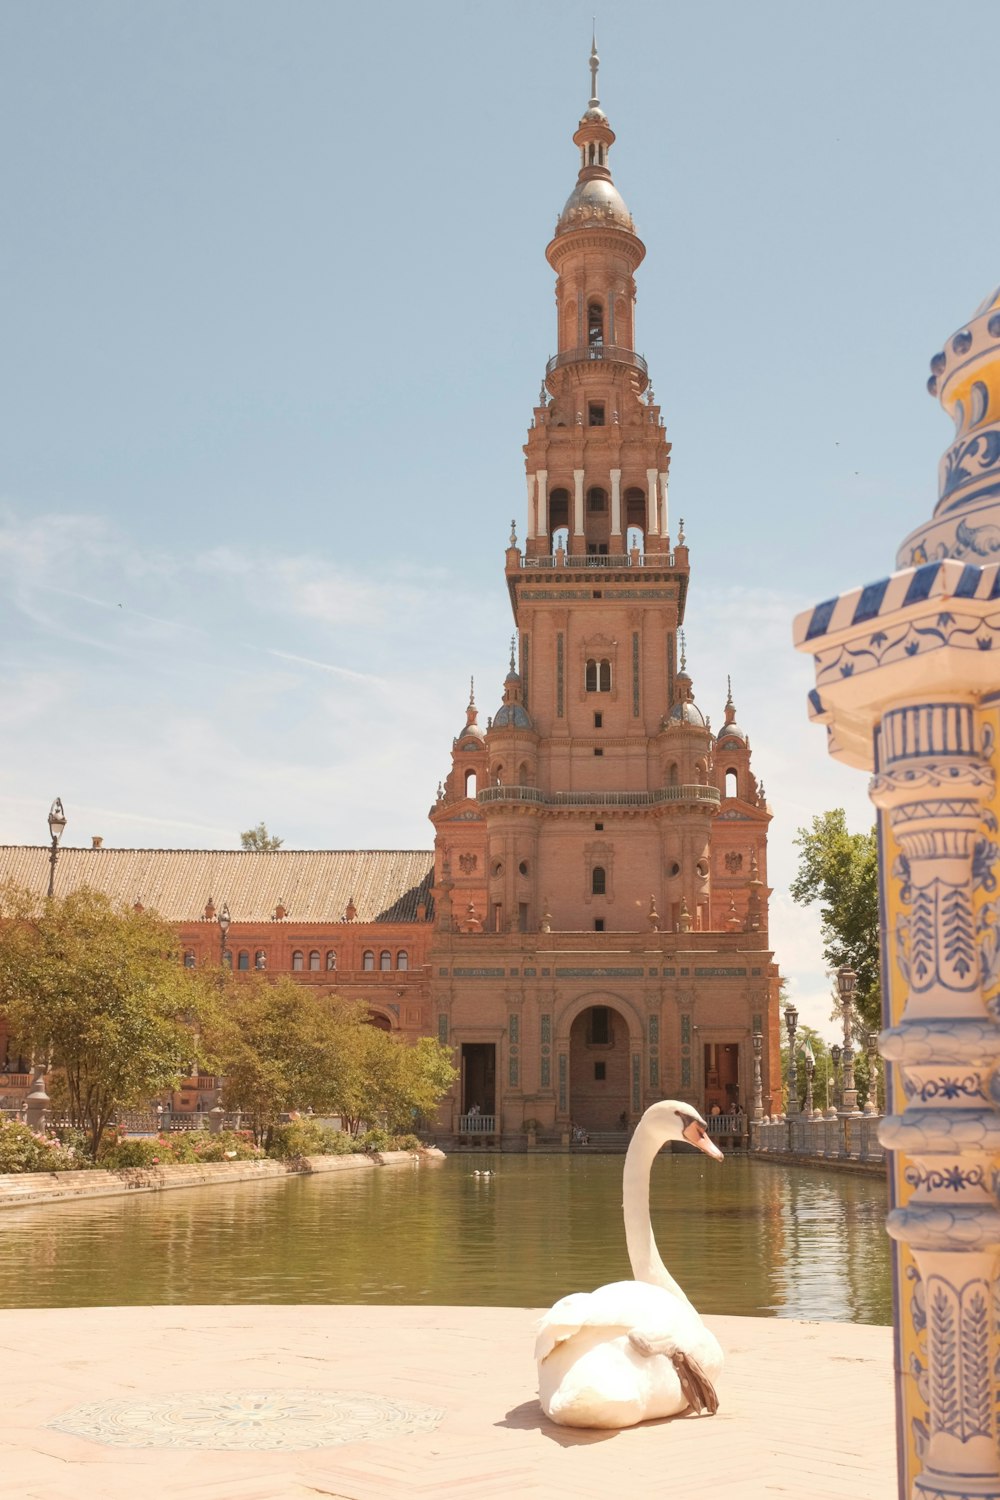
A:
(696, 1135)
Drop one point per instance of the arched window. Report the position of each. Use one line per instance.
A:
(260, 959)
(590, 679)
(314, 961)
(368, 962)
(595, 325)
(385, 961)
(189, 958)
(672, 775)
(498, 774)
(298, 963)
(331, 960)
(598, 880)
(635, 507)
(470, 783)
(243, 959)
(604, 676)
(402, 960)
(732, 784)
(560, 538)
(597, 501)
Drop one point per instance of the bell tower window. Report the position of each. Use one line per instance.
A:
(595, 414)
(595, 326)
(732, 784)
(598, 880)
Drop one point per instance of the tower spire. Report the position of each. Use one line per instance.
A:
(595, 63)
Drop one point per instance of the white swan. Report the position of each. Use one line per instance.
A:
(632, 1350)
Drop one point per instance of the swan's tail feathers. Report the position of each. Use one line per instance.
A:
(561, 1322)
(699, 1391)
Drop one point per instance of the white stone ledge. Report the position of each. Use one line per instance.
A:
(20, 1188)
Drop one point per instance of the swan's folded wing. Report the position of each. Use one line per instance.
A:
(561, 1322)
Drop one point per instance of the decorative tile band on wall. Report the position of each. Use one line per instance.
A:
(560, 685)
(635, 674)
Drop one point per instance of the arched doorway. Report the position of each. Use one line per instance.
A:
(599, 1068)
(380, 1022)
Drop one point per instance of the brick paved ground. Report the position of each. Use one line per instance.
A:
(806, 1409)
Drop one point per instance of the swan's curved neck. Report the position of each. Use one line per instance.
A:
(642, 1251)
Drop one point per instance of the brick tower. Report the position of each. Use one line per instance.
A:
(583, 819)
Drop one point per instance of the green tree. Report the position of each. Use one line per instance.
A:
(100, 992)
(259, 838)
(839, 869)
(280, 1047)
(393, 1083)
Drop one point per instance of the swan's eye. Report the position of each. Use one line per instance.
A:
(686, 1120)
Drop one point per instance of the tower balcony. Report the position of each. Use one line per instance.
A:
(707, 796)
(599, 560)
(609, 353)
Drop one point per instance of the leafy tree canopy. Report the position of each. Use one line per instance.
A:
(100, 992)
(839, 869)
(259, 838)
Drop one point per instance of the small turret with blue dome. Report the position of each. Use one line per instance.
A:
(512, 713)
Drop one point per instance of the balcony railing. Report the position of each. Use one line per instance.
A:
(613, 353)
(602, 560)
(687, 793)
(477, 1125)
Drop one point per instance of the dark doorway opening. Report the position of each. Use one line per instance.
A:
(479, 1077)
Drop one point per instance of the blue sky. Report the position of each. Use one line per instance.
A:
(276, 314)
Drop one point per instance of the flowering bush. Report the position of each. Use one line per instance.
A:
(309, 1138)
(184, 1146)
(21, 1150)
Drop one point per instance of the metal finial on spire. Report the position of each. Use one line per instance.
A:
(513, 642)
(595, 63)
(680, 533)
(472, 692)
(684, 658)
(513, 532)
(729, 691)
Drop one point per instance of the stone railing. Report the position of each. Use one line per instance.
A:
(832, 1136)
(586, 353)
(631, 559)
(477, 1125)
(689, 792)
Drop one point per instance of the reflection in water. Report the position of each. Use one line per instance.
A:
(740, 1237)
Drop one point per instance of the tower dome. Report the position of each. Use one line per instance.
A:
(730, 729)
(595, 202)
(512, 713)
(471, 729)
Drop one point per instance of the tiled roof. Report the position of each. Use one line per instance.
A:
(313, 885)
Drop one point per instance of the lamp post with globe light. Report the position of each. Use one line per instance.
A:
(791, 1021)
(57, 822)
(847, 981)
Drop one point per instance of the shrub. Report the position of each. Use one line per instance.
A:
(137, 1152)
(308, 1138)
(407, 1143)
(184, 1147)
(23, 1151)
(375, 1140)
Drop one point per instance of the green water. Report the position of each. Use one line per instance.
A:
(740, 1237)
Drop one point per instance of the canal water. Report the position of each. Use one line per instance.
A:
(741, 1237)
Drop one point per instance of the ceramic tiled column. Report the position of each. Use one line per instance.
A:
(908, 685)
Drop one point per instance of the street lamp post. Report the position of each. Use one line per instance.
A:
(846, 982)
(810, 1071)
(758, 1092)
(835, 1053)
(791, 1021)
(224, 920)
(57, 822)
